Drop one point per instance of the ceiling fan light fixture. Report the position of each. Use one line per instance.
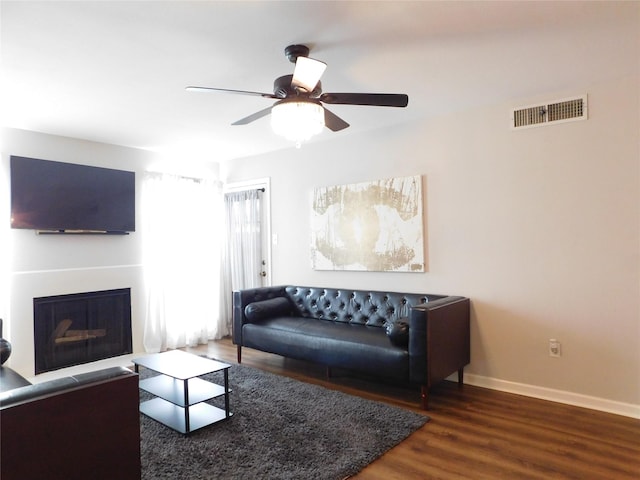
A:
(297, 120)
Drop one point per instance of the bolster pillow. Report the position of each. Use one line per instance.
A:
(273, 307)
(398, 332)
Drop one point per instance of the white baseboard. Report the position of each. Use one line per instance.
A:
(561, 396)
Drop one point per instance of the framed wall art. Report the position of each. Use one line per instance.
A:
(370, 226)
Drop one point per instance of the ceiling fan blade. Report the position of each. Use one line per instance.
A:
(375, 99)
(253, 117)
(334, 122)
(307, 73)
(226, 90)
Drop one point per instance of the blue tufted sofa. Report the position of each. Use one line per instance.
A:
(413, 338)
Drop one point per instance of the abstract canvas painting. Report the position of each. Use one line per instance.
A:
(370, 226)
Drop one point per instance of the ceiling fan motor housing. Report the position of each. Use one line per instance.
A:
(282, 88)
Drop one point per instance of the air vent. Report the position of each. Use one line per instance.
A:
(558, 111)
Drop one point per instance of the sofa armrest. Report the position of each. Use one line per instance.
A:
(242, 298)
(439, 339)
(41, 390)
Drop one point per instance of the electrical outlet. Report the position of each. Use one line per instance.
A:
(555, 348)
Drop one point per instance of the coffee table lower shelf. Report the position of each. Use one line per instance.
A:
(173, 416)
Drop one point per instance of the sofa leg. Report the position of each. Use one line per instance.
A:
(239, 354)
(460, 377)
(424, 395)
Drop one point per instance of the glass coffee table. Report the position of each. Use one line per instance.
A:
(180, 393)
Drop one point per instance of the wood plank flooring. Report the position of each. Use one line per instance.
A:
(476, 433)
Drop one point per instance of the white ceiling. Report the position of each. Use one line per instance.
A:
(115, 72)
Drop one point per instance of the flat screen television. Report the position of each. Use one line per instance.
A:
(62, 197)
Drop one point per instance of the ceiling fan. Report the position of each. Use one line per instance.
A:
(303, 90)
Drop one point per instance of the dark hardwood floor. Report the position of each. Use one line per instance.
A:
(477, 433)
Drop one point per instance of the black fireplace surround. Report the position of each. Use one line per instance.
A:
(81, 328)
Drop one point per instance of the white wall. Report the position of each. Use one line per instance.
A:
(539, 227)
(42, 265)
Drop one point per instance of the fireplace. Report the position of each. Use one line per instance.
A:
(81, 328)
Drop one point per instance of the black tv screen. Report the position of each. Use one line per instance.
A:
(57, 196)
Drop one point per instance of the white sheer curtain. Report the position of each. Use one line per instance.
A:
(182, 242)
(244, 246)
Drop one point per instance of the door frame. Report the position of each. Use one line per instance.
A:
(265, 221)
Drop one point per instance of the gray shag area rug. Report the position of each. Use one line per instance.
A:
(281, 428)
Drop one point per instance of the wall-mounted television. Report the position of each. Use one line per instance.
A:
(57, 197)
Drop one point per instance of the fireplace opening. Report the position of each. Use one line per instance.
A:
(81, 328)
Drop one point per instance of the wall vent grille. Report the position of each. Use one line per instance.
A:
(558, 111)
